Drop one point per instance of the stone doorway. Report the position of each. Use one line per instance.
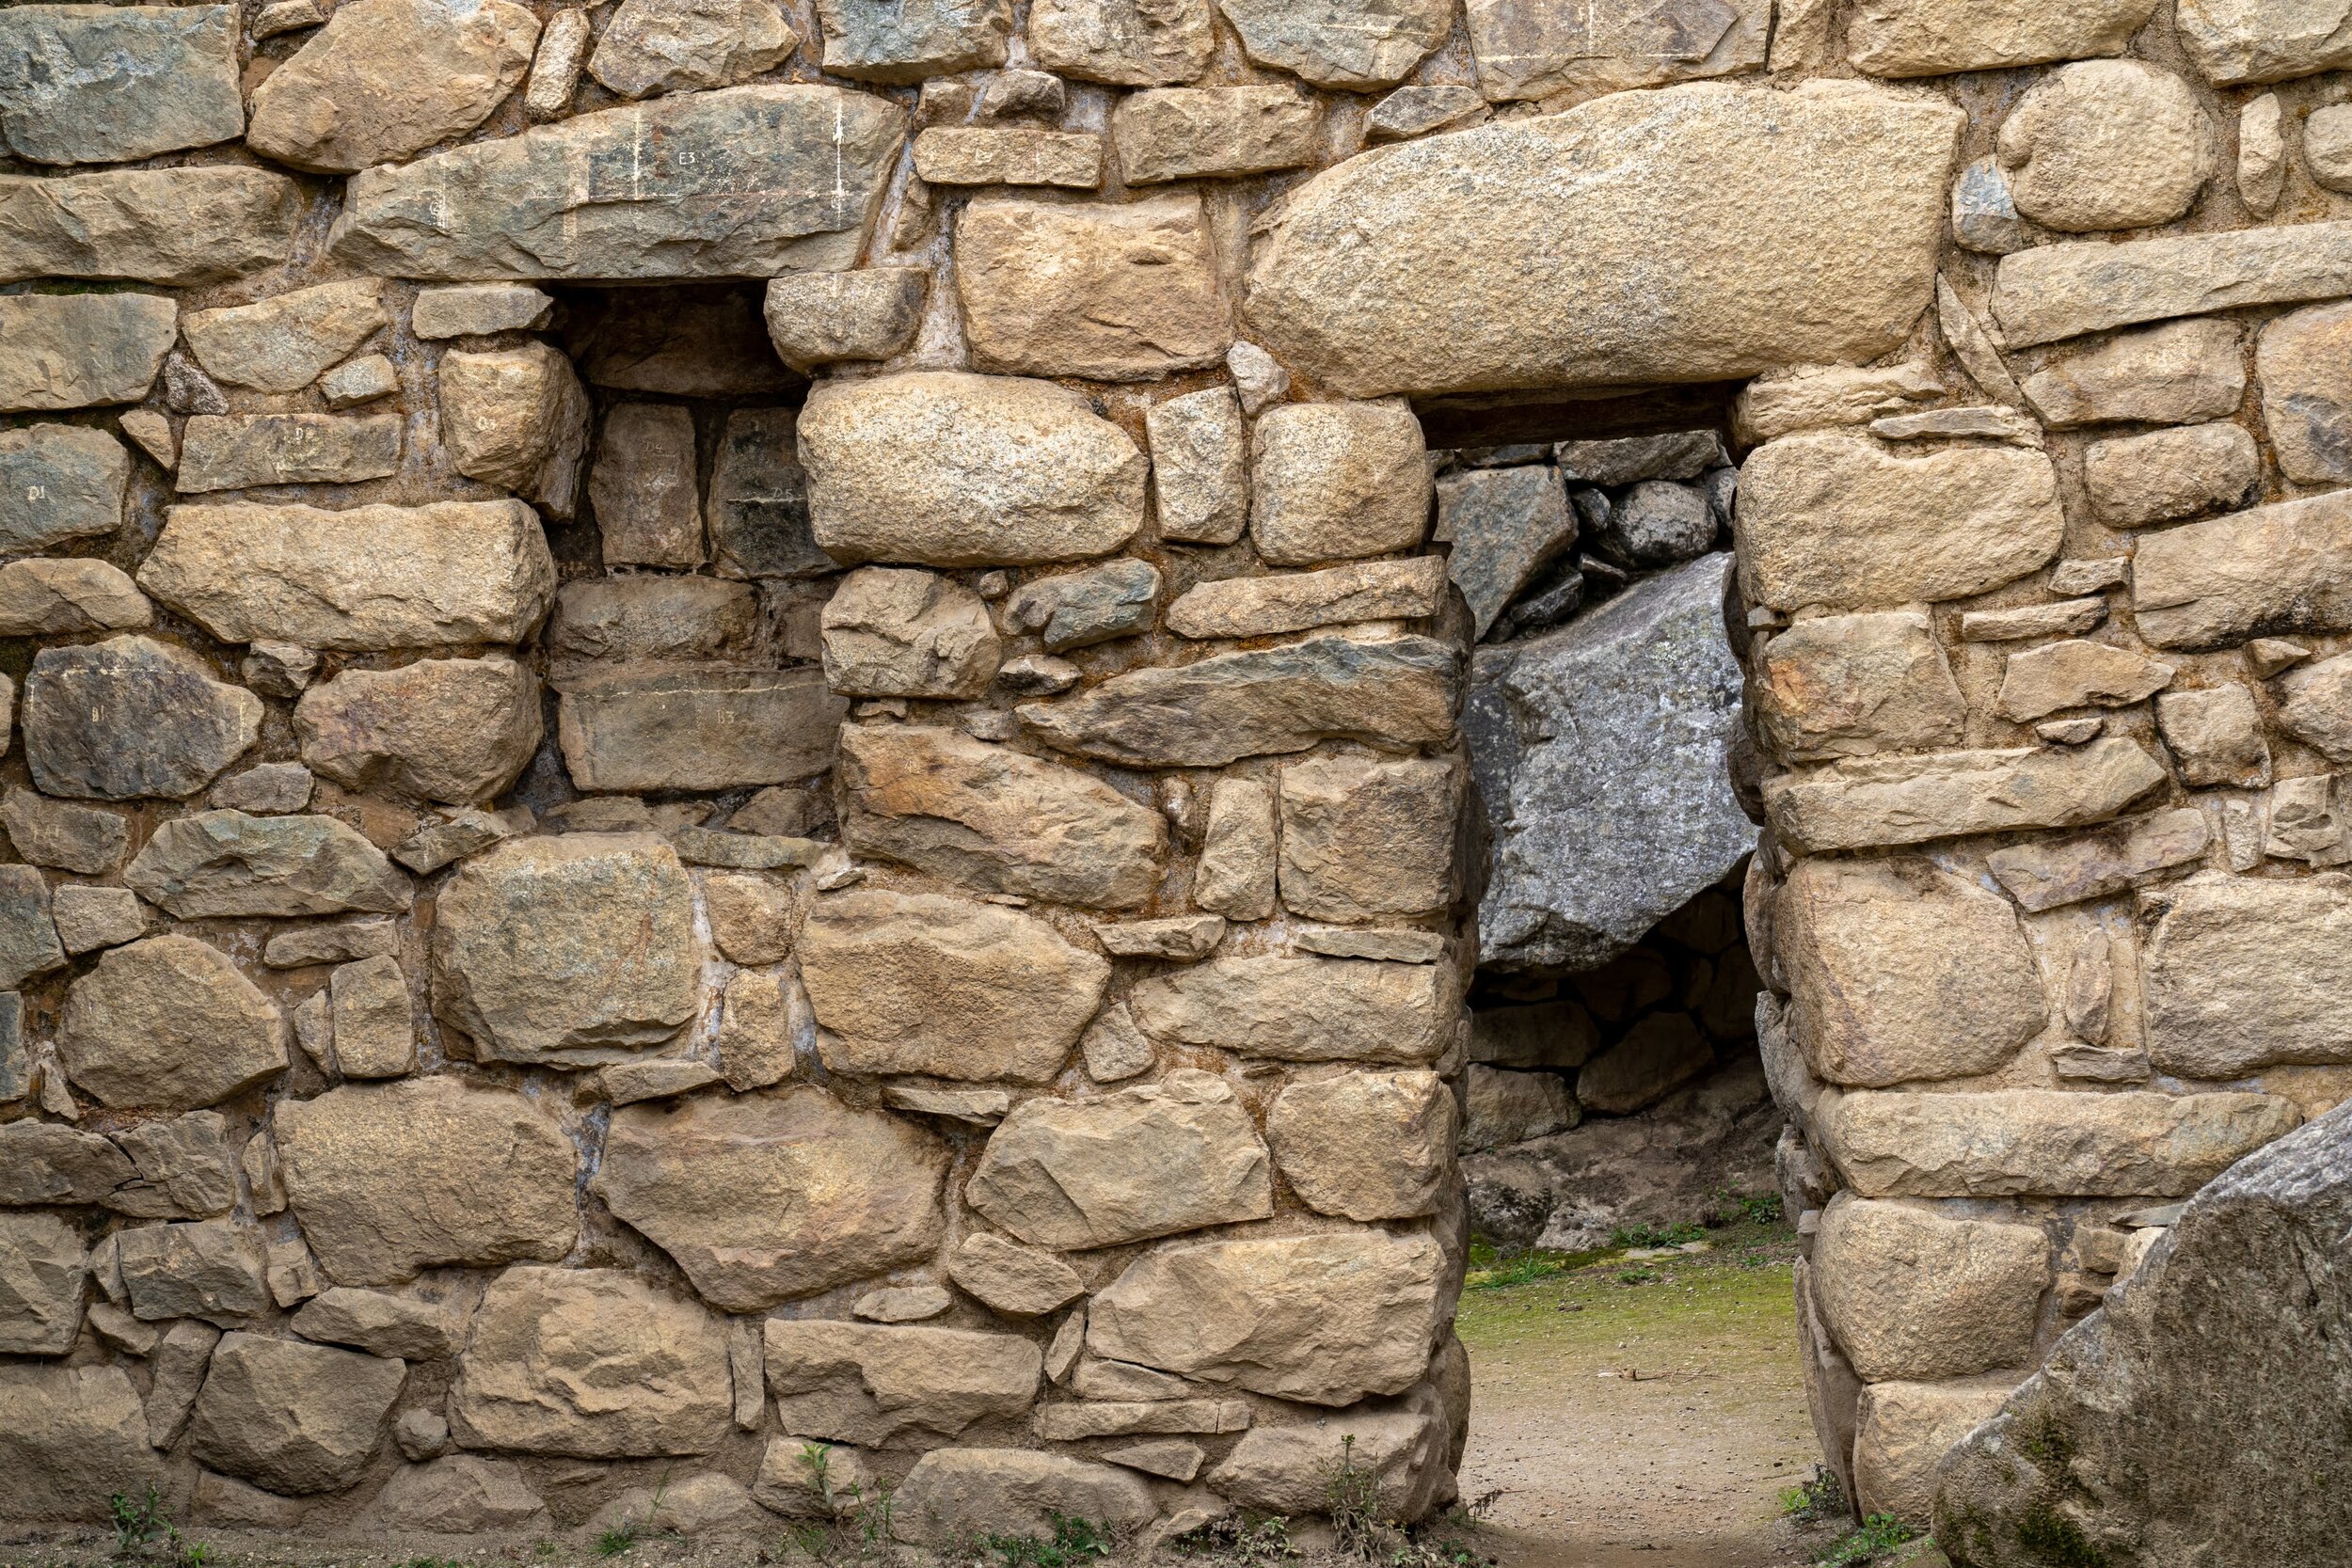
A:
(1639, 1387)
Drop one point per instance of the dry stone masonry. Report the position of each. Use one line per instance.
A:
(739, 724)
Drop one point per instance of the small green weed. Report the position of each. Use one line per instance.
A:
(197, 1555)
(1880, 1533)
(1351, 1494)
(1233, 1539)
(619, 1539)
(1657, 1235)
(1075, 1541)
(1817, 1500)
(137, 1524)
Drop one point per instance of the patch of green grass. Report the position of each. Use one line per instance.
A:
(1817, 1500)
(137, 1522)
(1657, 1235)
(1075, 1541)
(1880, 1533)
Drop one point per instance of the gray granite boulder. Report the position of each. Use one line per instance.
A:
(1600, 751)
(2199, 1415)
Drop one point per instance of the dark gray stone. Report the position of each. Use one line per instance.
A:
(1600, 751)
(1397, 694)
(130, 717)
(2199, 1415)
(47, 1162)
(71, 838)
(1081, 608)
(104, 85)
(747, 181)
(58, 482)
(1506, 525)
(1660, 523)
(28, 938)
(758, 508)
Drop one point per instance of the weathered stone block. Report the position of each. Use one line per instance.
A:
(449, 730)
(1199, 456)
(1119, 293)
(58, 483)
(2138, 480)
(1364, 839)
(1903, 1432)
(1008, 1277)
(1264, 1315)
(990, 819)
(369, 578)
(650, 728)
(1840, 522)
(1396, 694)
(895, 1387)
(391, 1178)
(923, 983)
(764, 1198)
(890, 632)
(1234, 876)
(1367, 1146)
(1533, 52)
(1212, 132)
(1901, 971)
(593, 1363)
(2043, 295)
(2043, 1142)
(653, 619)
(41, 1269)
(224, 863)
(1285, 602)
(1303, 1009)
(60, 1426)
(1092, 1174)
(943, 469)
(1840, 685)
(2285, 567)
(212, 1269)
(516, 419)
(642, 489)
(75, 351)
(2236, 972)
(2269, 40)
(1350, 45)
(1507, 226)
(652, 46)
(178, 227)
(1333, 481)
(1912, 1293)
(169, 1024)
(778, 178)
(758, 507)
(2045, 873)
(292, 1418)
(2107, 144)
(913, 38)
(571, 950)
(2307, 413)
(385, 79)
(956, 1494)
(1127, 42)
(82, 83)
(1889, 801)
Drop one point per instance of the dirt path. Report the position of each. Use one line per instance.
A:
(1642, 1422)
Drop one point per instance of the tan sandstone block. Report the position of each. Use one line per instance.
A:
(956, 1494)
(2048, 292)
(1263, 1315)
(890, 632)
(2138, 480)
(169, 1024)
(574, 951)
(1128, 42)
(2176, 373)
(1281, 602)
(593, 1363)
(1840, 522)
(1903, 1432)
(2216, 735)
(59, 1427)
(994, 820)
(1888, 801)
(1363, 838)
(894, 1386)
(2076, 673)
(516, 419)
(1368, 1146)
(391, 1178)
(1899, 971)
(183, 227)
(1747, 207)
(2285, 567)
(1911, 1293)
(2043, 1142)
(1841, 685)
(1094, 1173)
(284, 343)
(943, 469)
(1929, 38)
(990, 155)
(2108, 144)
(1212, 132)
(642, 488)
(765, 1198)
(2238, 972)
(947, 987)
(368, 579)
(1337, 480)
(1301, 1009)
(1116, 294)
(387, 78)
(458, 730)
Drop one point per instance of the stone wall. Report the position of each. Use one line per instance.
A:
(738, 725)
